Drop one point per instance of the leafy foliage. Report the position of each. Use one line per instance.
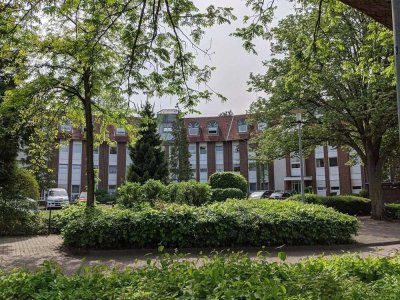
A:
(220, 195)
(341, 73)
(232, 276)
(130, 195)
(25, 184)
(351, 205)
(188, 192)
(148, 159)
(392, 210)
(244, 222)
(19, 216)
(225, 180)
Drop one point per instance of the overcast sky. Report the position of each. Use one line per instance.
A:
(233, 64)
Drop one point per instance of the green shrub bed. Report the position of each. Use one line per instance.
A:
(219, 195)
(219, 277)
(351, 205)
(244, 222)
(392, 211)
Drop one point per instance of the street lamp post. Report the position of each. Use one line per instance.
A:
(298, 113)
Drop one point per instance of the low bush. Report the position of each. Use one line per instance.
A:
(19, 216)
(103, 197)
(392, 210)
(188, 192)
(153, 190)
(26, 184)
(219, 195)
(226, 180)
(245, 222)
(217, 277)
(351, 205)
(130, 195)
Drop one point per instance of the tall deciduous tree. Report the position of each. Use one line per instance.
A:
(148, 159)
(179, 158)
(337, 65)
(90, 55)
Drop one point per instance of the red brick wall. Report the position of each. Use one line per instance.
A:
(244, 159)
(228, 156)
(121, 163)
(103, 166)
(310, 170)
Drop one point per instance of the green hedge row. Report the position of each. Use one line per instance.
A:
(244, 222)
(220, 195)
(219, 277)
(133, 195)
(351, 205)
(392, 210)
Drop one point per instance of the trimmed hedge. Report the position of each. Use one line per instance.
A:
(217, 277)
(351, 205)
(392, 210)
(226, 180)
(244, 222)
(188, 192)
(219, 195)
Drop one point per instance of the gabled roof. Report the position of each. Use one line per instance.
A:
(227, 129)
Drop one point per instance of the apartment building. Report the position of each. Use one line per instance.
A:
(216, 144)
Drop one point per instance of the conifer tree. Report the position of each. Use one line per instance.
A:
(148, 159)
(179, 162)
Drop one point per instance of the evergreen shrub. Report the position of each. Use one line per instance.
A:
(219, 195)
(225, 180)
(153, 190)
(230, 223)
(351, 205)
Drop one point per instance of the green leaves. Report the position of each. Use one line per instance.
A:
(234, 222)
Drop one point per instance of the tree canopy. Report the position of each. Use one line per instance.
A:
(86, 59)
(337, 65)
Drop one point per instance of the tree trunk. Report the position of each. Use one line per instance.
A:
(374, 172)
(87, 103)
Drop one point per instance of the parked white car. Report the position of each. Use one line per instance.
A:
(56, 198)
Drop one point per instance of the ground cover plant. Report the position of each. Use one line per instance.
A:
(234, 222)
(217, 277)
(352, 205)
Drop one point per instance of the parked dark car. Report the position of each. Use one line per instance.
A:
(260, 194)
(280, 195)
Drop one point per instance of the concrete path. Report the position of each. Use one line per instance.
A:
(379, 238)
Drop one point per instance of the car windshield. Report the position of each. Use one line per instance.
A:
(58, 193)
(256, 194)
(83, 195)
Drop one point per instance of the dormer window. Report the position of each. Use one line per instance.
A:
(194, 128)
(242, 126)
(261, 126)
(212, 127)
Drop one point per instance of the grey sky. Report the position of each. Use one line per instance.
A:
(233, 63)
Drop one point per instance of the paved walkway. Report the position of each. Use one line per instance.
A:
(375, 238)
